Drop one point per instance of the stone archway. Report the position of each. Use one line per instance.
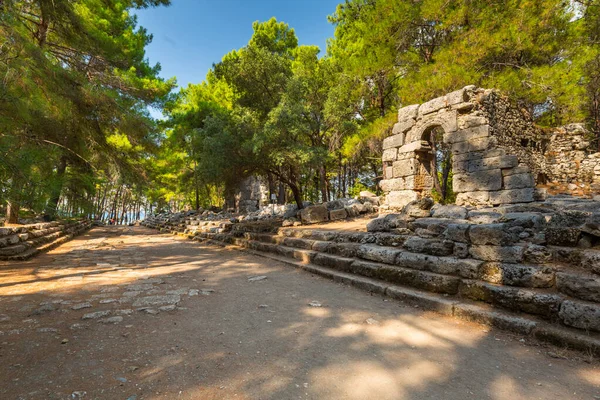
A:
(481, 171)
(435, 157)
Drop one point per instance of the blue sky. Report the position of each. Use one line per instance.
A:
(191, 35)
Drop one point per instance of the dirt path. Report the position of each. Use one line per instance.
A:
(167, 318)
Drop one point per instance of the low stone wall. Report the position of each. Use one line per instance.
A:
(22, 242)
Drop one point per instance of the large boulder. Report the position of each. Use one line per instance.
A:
(314, 214)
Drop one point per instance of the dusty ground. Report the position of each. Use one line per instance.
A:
(246, 339)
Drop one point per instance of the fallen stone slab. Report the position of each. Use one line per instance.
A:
(111, 320)
(81, 306)
(257, 278)
(96, 315)
(157, 300)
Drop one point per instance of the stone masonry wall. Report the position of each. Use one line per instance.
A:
(557, 155)
(485, 173)
(498, 153)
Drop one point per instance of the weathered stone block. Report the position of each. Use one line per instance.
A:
(381, 254)
(388, 185)
(562, 236)
(475, 145)
(13, 239)
(428, 246)
(436, 226)
(518, 181)
(406, 276)
(314, 214)
(457, 232)
(338, 214)
(336, 262)
(517, 275)
(529, 301)
(590, 260)
(410, 147)
(432, 105)
(419, 208)
(12, 250)
(418, 182)
(401, 127)
(491, 234)
(389, 155)
(468, 134)
(522, 169)
(405, 168)
(507, 254)
(388, 172)
(449, 211)
(579, 285)
(538, 254)
(461, 250)
(493, 163)
(472, 198)
(484, 216)
(408, 112)
(467, 268)
(400, 198)
(458, 96)
(580, 315)
(450, 99)
(477, 155)
(393, 141)
(489, 180)
(512, 196)
(469, 121)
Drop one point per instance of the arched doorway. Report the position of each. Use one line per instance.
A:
(436, 159)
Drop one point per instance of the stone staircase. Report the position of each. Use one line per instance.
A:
(554, 302)
(23, 242)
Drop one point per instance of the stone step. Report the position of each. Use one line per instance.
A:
(451, 306)
(582, 286)
(391, 273)
(42, 244)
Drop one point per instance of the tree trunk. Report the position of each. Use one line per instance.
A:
(12, 212)
(323, 183)
(56, 191)
(297, 195)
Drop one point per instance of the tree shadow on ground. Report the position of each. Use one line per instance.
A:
(251, 340)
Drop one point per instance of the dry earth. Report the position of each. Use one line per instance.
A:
(126, 313)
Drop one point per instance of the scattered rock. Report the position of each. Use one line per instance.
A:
(157, 300)
(111, 320)
(257, 278)
(96, 315)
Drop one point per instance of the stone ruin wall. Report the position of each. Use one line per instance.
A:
(251, 195)
(498, 154)
(563, 157)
